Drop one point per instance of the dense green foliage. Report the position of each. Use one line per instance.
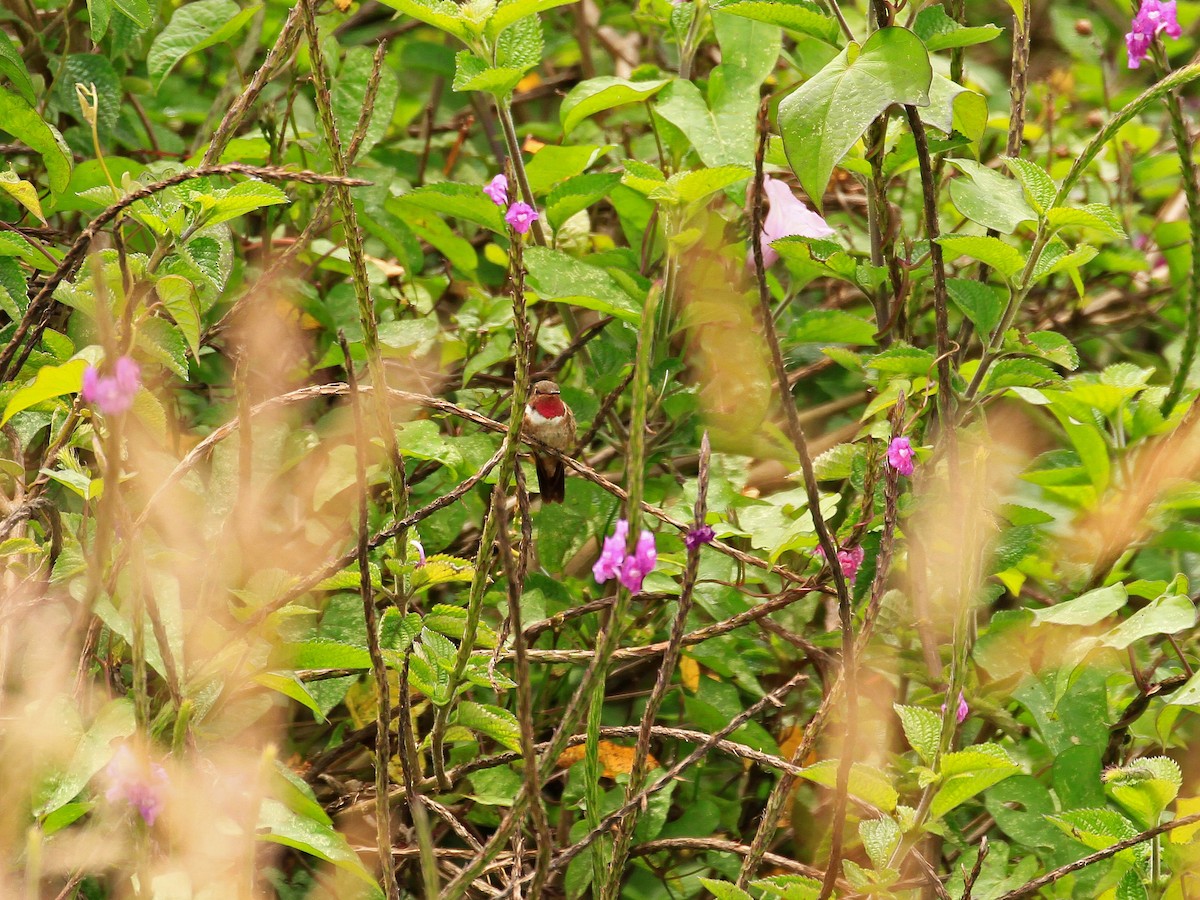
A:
(270, 544)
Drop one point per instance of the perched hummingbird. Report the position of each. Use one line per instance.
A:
(550, 421)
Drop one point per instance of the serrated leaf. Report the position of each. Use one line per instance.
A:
(165, 342)
(724, 890)
(178, 295)
(509, 12)
(193, 27)
(1004, 258)
(1051, 262)
(577, 194)
(1050, 345)
(1039, 186)
(922, 729)
(989, 198)
(1007, 373)
(880, 838)
(497, 723)
(452, 622)
(981, 303)
(472, 74)
(239, 200)
(970, 772)
(1093, 215)
(684, 188)
(866, 782)
(442, 14)
(50, 382)
(1145, 787)
(349, 92)
(14, 288)
(1096, 828)
(832, 326)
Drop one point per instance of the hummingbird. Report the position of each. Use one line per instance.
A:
(550, 421)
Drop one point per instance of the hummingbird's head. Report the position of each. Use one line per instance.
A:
(545, 401)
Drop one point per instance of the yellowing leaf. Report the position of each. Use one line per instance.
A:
(614, 758)
(1186, 807)
(23, 192)
(689, 673)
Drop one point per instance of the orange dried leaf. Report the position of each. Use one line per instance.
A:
(689, 673)
(615, 759)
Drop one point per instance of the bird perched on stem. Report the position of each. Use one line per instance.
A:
(550, 421)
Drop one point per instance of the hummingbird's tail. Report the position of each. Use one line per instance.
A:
(552, 479)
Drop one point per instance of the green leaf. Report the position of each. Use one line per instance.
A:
(178, 295)
(497, 723)
(1004, 258)
(462, 201)
(794, 15)
(953, 107)
(1050, 345)
(510, 11)
(283, 826)
(90, 69)
(23, 122)
(1086, 609)
(1018, 373)
(969, 772)
(724, 890)
(50, 382)
(1093, 215)
(452, 620)
(1169, 614)
(323, 655)
(940, 32)
(788, 887)
(989, 198)
(1145, 787)
(922, 728)
(823, 118)
(349, 92)
(1038, 185)
(576, 194)
(15, 244)
(1096, 828)
(165, 342)
(289, 685)
(866, 782)
(981, 303)
(442, 14)
(115, 720)
(99, 15)
(472, 74)
(553, 165)
(564, 279)
(605, 92)
(832, 326)
(684, 188)
(223, 205)
(137, 11)
(12, 67)
(880, 838)
(193, 27)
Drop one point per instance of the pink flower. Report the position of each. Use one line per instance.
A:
(112, 394)
(786, 216)
(520, 216)
(1153, 17)
(963, 710)
(497, 190)
(849, 560)
(138, 782)
(635, 568)
(612, 554)
(617, 562)
(697, 536)
(900, 455)
(420, 548)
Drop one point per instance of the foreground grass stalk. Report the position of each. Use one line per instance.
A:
(383, 743)
(504, 477)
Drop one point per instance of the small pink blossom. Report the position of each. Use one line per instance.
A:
(420, 548)
(112, 394)
(635, 568)
(900, 455)
(963, 710)
(497, 190)
(520, 216)
(788, 215)
(1153, 18)
(617, 562)
(612, 554)
(138, 782)
(849, 560)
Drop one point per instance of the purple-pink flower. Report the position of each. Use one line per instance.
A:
(849, 560)
(112, 394)
(520, 216)
(420, 548)
(963, 710)
(617, 562)
(787, 216)
(637, 566)
(138, 782)
(697, 536)
(497, 190)
(1153, 17)
(900, 455)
